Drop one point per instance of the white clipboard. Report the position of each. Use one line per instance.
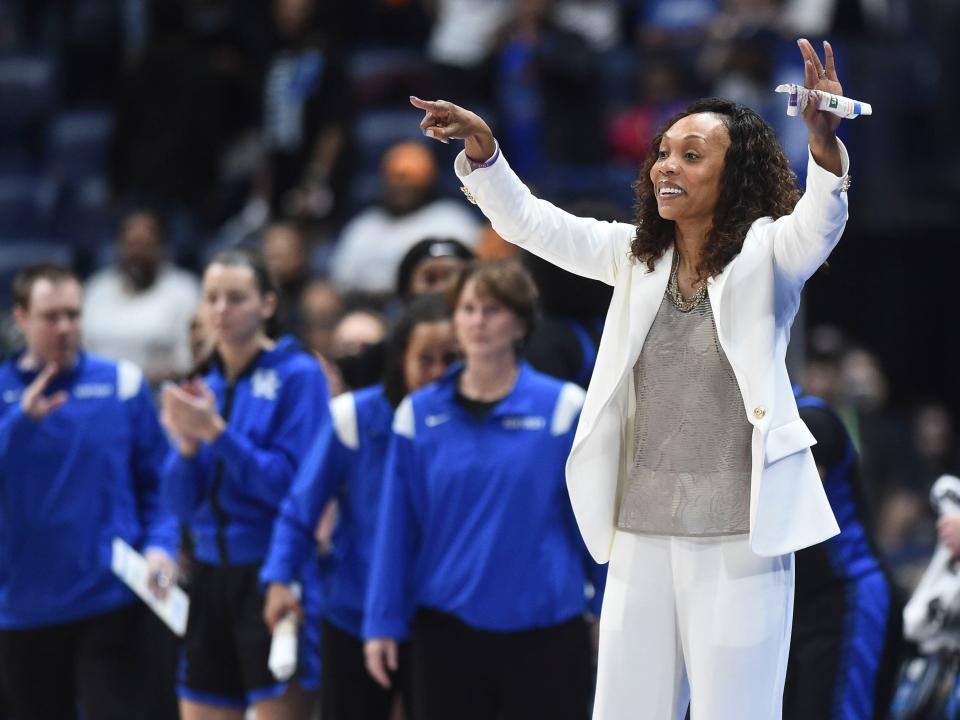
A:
(130, 566)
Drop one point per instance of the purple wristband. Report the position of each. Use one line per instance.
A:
(476, 164)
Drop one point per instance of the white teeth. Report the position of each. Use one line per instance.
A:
(670, 191)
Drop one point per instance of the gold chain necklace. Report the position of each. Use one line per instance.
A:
(673, 289)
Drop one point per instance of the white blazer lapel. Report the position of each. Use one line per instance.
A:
(648, 289)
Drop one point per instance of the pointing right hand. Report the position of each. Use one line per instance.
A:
(445, 121)
(34, 403)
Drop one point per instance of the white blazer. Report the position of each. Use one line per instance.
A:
(754, 302)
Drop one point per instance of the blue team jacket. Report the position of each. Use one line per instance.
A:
(228, 494)
(849, 555)
(69, 484)
(345, 462)
(475, 519)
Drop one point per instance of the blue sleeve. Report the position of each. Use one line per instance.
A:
(186, 482)
(150, 447)
(389, 601)
(314, 485)
(265, 473)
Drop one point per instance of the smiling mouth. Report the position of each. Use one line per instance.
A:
(669, 192)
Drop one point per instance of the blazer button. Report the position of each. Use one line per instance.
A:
(468, 194)
(759, 411)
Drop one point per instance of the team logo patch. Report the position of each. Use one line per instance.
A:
(265, 384)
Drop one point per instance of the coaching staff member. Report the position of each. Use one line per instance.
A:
(80, 453)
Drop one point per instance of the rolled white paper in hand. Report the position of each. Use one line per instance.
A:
(798, 97)
(282, 660)
(283, 649)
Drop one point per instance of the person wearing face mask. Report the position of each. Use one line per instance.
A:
(346, 464)
(357, 347)
(139, 310)
(81, 454)
(477, 558)
(240, 432)
(691, 472)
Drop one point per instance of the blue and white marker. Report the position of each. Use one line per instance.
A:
(798, 97)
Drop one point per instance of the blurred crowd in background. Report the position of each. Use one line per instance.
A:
(138, 138)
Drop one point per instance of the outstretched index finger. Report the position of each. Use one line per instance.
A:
(428, 105)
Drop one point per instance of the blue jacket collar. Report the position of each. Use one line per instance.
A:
(517, 402)
(283, 347)
(66, 376)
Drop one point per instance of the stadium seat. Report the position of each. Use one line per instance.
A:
(78, 143)
(26, 204)
(376, 130)
(29, 90)
(84, 216)
(381, 76)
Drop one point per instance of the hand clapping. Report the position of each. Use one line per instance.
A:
(189, 414)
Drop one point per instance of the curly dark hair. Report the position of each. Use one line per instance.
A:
(757, 183)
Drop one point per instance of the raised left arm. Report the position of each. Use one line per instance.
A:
(803, 240)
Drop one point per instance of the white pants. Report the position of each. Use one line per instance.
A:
(702, 621)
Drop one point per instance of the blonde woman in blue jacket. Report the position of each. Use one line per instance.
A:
(690, 471)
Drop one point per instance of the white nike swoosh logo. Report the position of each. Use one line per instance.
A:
(434, 420)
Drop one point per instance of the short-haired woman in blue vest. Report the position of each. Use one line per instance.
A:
(477, 555)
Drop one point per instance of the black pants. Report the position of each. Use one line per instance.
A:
(468, 674)
(347, 690)
(825, 678)
(47, 672)
(159, 655)
(227, 643)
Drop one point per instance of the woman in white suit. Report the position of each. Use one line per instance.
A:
(691, 471)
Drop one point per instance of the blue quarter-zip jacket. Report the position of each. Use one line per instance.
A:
(228, 493)
(346, 462)
(69, 484)
(475, 519)
(850, 555)
(845, 570)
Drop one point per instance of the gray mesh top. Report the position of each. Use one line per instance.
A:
(691, 468)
